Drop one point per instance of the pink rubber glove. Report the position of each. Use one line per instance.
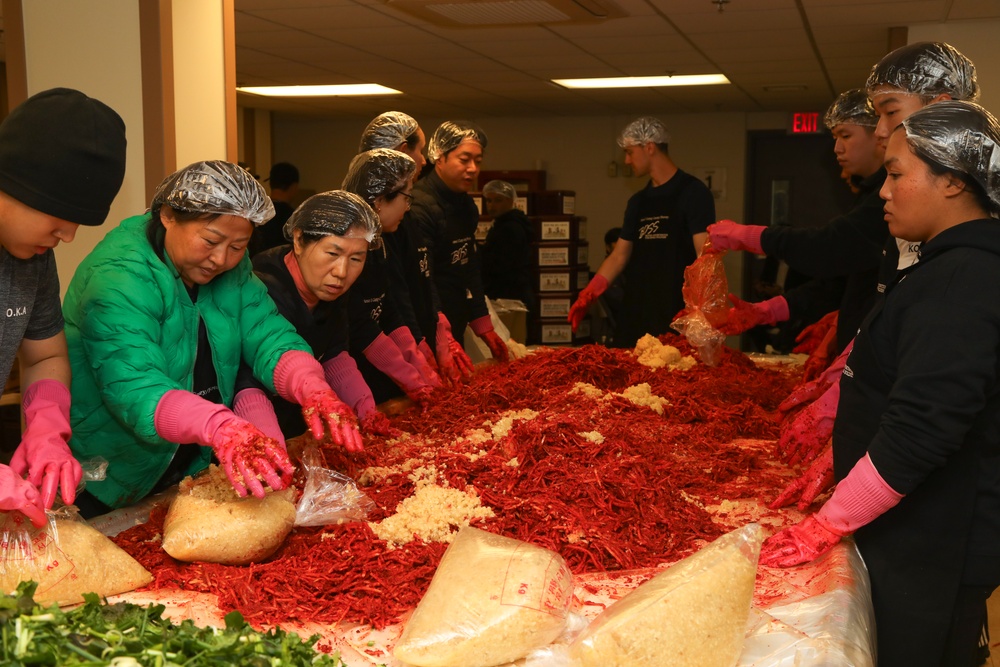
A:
(858, 500)
(44, 454)
(254, 406)
(451, 356)
(811, 336)
(416, 358)
(386, 356)
(816, 479)
(595, 288)
(243, 451)
(745, 315)
(483, 327)
(20, 495)
(807, 433)
(425, 349)
(299, 378)
(377, 423)
(813, 389)
(729, 235)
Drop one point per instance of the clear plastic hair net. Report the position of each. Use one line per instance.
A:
(450, 134)
(335, 213)
(388, 130)
(378, 172)
(852, 108)
(961, 136)
(502, 188)
(925, 68)
(642, 131)
(215, 187)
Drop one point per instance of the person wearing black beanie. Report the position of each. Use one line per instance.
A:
(62, 162)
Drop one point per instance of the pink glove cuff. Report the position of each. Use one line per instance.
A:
(254, 406)
(403, 339)
(776, 309)
(836, 369)
(183, 418)
(749, 237)
(46, 390)
(598, 284)
(858, 500)
(481, 325)
(297, 375)
(386, 356)
(343, 376)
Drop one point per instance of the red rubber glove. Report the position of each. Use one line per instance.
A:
(483, 327)
(811, 336)
(816, 479)
(254, 406)
(819, 359)
(387, 357)
(428, 354)
(44, 454)
(729, 235)
(377, 423)
(858, 500)
(807, 433)
(243, 451)
(412, 354)
(299, 378)
(595, 288)
(20, 495)
(451, 356)
(745, 315)
(809, 391)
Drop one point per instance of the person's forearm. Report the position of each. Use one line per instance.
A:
(612, 266)
(45, 360)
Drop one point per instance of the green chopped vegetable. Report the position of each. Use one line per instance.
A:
(127, 635)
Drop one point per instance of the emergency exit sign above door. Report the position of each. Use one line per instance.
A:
(806, 123)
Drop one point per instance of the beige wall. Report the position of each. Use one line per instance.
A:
(978, 41)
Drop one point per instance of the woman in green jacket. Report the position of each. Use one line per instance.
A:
(158, 317)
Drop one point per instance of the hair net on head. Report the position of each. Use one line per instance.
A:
(378, 172)
(388, 130)
(215, 187)
(450, 134)
(335, 213)
(852, 108)
(502, 188)
(925, 68)
(960, 136)
(642, 131)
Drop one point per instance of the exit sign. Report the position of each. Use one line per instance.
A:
(806, 123)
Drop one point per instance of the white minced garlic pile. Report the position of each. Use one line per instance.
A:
(653, 353)
(640, 394)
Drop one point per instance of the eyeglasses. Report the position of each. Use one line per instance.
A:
(409, 197)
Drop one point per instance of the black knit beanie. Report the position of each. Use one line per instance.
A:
(63, 153)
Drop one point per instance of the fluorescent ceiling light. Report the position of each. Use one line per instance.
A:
(644, 81)
(320, 91)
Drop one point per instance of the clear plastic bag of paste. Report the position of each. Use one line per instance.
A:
(706, 305)
(329, 497)
(492, 600)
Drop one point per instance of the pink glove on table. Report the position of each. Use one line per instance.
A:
(387, 357)
(597, 286)
(299, 378)
(403, 339)
(21, 495)
(451, 356)
(745, 315)
(243, 451)
(44, 454)
(807, 433)
(816, 479)
(254, 406)
(483, 327)
(858, 500)
(729, 235)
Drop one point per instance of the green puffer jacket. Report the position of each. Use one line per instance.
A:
(133, 335)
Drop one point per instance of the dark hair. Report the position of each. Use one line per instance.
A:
(664, 148)
(413, 139)
(283, 175)
(972, 186)
(612, 235)
(155, 231)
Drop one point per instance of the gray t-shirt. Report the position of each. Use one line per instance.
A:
(29, 303)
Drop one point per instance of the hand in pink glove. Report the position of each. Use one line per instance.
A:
(403, 339)
(744, 315)
(807, 433)
(483, 327)
(422, 397)
(425, 350)
(816, 479)
(387, 357)
(376, 423)
(451, 356)
(253, 405)
(858, 500)
(18, 494)
(299, 378)
(43, 453)
(729, 235)
(811, 336)
(809, 391)
(597, 286)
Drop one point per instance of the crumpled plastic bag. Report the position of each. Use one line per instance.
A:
(706, 305)
(329, 497)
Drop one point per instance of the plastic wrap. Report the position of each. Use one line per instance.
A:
(391, 129)
(215, 187)
(960, 136)
(450, 134)
(378, 172)
(502, 188)
(925, 68)
(644, 130)
(853, 108)
(706, 301)
(492, 600)
(335, 213)
(67, 558)
(328, 497)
